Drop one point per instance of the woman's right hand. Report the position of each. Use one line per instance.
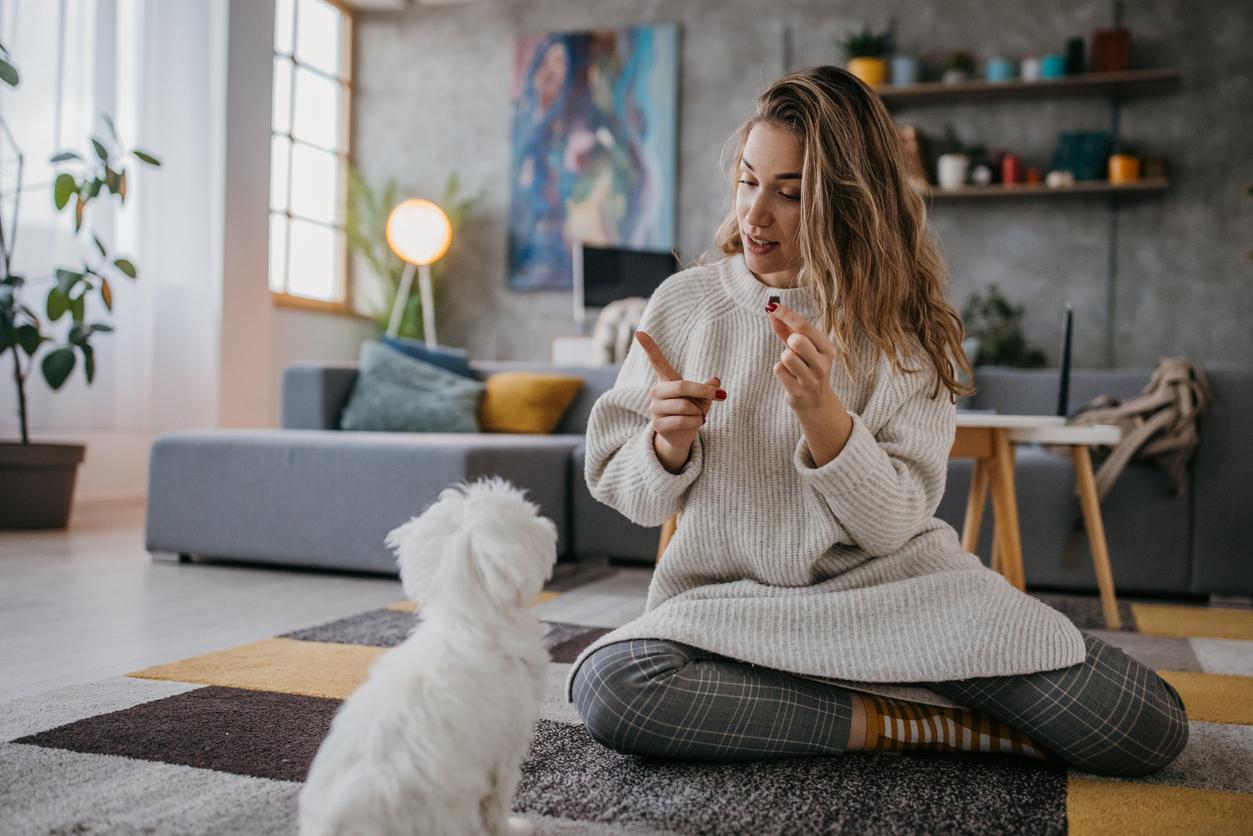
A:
(678, 407)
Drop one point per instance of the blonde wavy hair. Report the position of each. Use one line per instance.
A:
(866, 254)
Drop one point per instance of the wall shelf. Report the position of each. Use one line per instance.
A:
(1096, 84)
(1151, 184)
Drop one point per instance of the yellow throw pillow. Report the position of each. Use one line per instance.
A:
(526, 402)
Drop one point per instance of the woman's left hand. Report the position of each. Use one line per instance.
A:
(804, 368)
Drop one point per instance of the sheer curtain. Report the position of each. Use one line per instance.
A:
(158, 68)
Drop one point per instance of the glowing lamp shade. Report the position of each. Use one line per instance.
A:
(418, 231)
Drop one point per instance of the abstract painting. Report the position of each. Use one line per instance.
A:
(594, 136)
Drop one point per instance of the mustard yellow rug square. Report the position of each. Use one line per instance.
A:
(1096, 807)
(290, 666)
(1202, 622)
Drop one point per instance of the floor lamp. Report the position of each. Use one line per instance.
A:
(419, 232)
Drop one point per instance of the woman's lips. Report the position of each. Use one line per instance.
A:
(757, 249)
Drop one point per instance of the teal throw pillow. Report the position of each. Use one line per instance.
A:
(397, 393)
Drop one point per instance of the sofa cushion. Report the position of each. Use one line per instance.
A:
(596, 381)
(397, 393)
(456, 360)
(526, 402)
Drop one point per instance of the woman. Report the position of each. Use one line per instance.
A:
(795, 401)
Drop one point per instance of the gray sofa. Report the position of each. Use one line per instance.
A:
(311, 495)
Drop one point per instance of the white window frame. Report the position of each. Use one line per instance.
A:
(284, 298)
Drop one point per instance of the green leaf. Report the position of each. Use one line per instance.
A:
(78, 334)
(101, 327)
(8, 73)
(99, 245)
(94, 188)
(13, 279)
(29, 338)
(63, 156)
(101, 151)
(66, 279)
(62, 188)
(57, 366)
(77, 307)
(146, 157)
(89, 361)
(125, 265)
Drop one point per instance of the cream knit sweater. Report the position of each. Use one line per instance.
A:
(840, 573)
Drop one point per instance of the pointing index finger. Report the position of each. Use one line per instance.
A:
(664, 370)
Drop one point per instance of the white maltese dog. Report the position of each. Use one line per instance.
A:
(434, 740)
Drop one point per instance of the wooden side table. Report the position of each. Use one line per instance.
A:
(988, 439)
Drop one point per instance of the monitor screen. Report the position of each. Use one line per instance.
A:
(604, 274)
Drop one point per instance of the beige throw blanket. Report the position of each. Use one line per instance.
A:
(1160, 424)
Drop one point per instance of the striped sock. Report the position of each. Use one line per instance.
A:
(895, 725)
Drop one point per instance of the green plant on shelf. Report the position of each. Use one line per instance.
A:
(867, 44)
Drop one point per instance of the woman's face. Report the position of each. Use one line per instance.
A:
(768, 205)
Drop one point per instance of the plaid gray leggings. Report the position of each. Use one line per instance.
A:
(1110, 714)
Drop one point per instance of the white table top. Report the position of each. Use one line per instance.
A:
(1041, 429)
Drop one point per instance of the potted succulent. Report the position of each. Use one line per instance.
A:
(37, 480)
(867, 53)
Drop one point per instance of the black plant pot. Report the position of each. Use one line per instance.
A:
(37, 484)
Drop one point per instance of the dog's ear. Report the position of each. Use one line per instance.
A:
(421, 542)
(513, 562)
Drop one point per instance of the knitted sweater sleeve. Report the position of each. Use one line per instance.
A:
(621, 466)
(889, 478)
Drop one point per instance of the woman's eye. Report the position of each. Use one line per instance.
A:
(746, 183)
(790, 196)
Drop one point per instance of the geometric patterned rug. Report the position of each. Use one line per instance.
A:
(219, 743)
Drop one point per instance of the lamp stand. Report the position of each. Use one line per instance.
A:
(402, 298)
(428, 302)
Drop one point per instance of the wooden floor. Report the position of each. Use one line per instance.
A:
(89, 602)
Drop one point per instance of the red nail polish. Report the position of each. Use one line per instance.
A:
(770, 306)
(721, 394)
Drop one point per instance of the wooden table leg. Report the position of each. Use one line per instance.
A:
(667, 531)
(975, 501)
(1005, 506)
(1096, 533)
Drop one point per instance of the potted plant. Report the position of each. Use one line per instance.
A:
(960, 67)
(995, 328)
(37, 480)
(866, 52)
(366, 224)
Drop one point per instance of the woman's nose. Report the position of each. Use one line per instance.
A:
(757, 214)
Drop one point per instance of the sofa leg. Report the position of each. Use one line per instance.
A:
(1231, 601)
(170, 557)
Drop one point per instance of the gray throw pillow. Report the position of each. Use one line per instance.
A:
(397, 393)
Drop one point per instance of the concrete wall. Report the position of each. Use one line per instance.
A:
(433, 96)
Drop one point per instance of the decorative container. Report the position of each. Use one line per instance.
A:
(1123, 168)
(1053, 65)
(951, 170)
(870, 70)
(904, 69)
